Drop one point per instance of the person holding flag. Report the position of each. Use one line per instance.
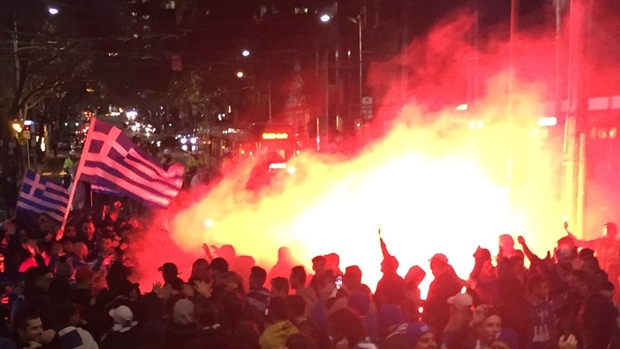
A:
(113, 164)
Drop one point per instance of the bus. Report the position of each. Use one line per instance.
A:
(272, 144)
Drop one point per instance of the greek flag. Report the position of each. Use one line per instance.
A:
(112, 164)
(42, 196)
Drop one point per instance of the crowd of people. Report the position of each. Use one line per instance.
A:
(73, 289)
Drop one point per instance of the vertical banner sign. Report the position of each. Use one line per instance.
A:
(367, 108)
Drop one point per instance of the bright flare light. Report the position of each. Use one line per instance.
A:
(325, 18)
(423, 195)
(430, 182)
(547, 121)
(52, 11)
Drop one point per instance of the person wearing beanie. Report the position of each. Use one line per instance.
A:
(392, 327)
(360, 302)
(421, 336)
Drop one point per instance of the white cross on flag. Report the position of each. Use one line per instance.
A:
(42, 196)
(112, 162)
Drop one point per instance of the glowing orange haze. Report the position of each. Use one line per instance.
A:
(432, 187)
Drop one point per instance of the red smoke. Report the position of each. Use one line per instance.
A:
(434, 178)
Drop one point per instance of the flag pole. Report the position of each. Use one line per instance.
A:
(78, 173)
(21, 187)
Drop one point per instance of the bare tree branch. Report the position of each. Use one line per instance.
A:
(54, 83)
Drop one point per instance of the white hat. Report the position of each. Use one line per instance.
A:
(123, 319)
(121, 315)
(183, 312)
(461, 300)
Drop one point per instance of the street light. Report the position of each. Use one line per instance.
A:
(17, 127)
(240, 74)
(245, 53)
(52, 11)
(325, 18)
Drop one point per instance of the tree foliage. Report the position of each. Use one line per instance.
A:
(43, 59)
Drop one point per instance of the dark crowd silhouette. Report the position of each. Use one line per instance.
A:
(72, 288)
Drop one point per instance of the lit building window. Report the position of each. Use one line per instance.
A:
(301, 10)
(604, 133)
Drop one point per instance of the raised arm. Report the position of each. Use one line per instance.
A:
(526, 250)
(384, 249)
(578, 242)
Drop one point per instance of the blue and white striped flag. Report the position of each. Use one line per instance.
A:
(112, 163)
(39, 195)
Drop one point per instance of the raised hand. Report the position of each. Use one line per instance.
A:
(157, 286)
(207, 250)
(567, 342)
(203, 287)
(59, 234)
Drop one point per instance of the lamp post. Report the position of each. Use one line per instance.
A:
(357, 20)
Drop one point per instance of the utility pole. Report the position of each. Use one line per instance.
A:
(514, 27)
(15, 49)
(404, 69)
(360, 63)
(577, 112)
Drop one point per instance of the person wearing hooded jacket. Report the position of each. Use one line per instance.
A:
(281, 328)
